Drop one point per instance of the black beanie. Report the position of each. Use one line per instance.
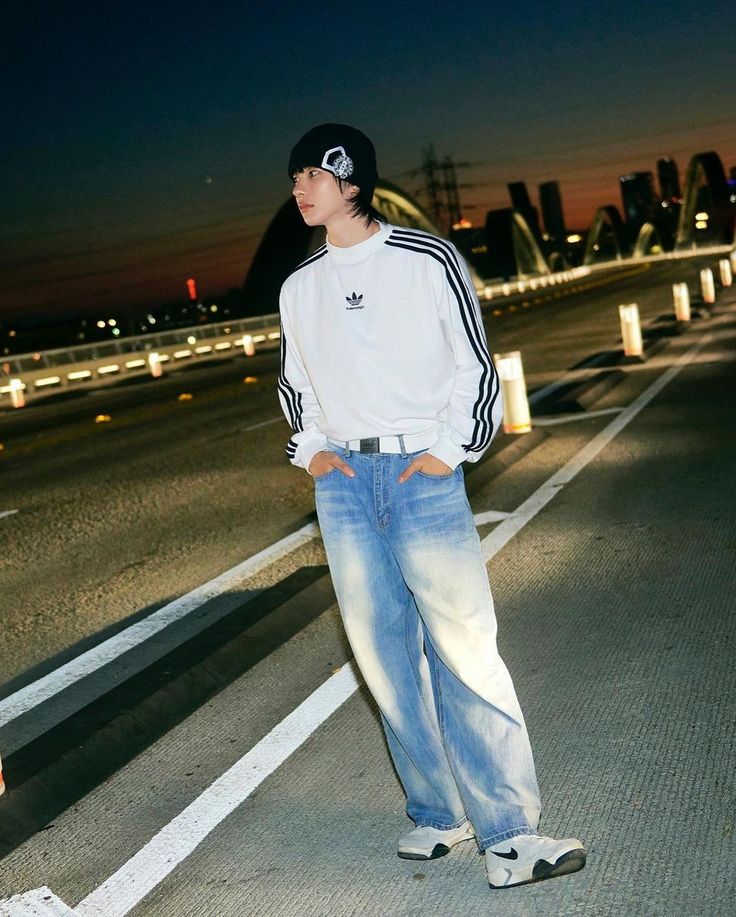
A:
(343, 150)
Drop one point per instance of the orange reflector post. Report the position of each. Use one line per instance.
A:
(631, 330)
(154, 364)
(707, 287)
(17, 395)
(681, 299)
(516, 417)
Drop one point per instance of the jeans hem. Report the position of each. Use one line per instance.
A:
(424, 823)
(493, 839)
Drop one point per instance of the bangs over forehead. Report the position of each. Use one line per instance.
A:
(300, 167)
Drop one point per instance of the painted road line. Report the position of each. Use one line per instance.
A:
(500, 536)
(144, 871)
(119, 894)
(571, 418)
(491, 515)
(573, 375)
(85, 664)
(8, 512)
(41, 902)
(264, 423)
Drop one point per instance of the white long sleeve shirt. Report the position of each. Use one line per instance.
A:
(384, 338)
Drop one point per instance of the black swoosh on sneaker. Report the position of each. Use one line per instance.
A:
(511, 855)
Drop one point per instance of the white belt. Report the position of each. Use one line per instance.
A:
(395, 443)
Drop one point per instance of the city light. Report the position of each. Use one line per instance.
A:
(701, 216)
(101, 324)
(191, 339)
(574, 237)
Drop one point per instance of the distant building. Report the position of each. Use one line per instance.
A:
(669, 181)
(551, 203)
(637, 194)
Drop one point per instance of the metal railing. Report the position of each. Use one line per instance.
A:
(34, 375)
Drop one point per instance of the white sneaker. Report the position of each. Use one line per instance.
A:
(529, 858)
(430, 843)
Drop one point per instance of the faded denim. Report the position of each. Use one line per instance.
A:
(416, 604)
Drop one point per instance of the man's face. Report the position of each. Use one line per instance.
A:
(318, 196)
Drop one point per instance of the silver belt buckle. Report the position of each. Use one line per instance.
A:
(370, 445)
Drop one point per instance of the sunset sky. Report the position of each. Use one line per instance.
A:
(147, 142)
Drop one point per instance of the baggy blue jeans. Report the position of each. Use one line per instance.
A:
(413, 591)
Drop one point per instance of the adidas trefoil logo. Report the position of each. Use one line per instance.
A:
(355, 301)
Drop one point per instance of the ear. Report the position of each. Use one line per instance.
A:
(352, 192)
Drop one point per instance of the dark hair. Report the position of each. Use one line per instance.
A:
(361, 205)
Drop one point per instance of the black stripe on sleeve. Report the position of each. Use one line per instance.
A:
(291, 396)
(488, 387)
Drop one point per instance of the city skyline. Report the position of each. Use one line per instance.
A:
(134, 162)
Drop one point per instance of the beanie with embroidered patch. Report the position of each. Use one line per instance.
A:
(338, 148)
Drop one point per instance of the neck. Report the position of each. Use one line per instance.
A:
(347, 230)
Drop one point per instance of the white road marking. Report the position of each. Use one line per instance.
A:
(264, 423)
(119, 894)
(144, 871)
(491, 515)
(8, 512)
(44, 688)
(41, 902)
(570, 376)
(501, 535)
(571, 418)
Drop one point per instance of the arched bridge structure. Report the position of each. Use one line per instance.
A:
(606, 237)
(707, 214)
(648, 242)
(512, 247)
(288, 241)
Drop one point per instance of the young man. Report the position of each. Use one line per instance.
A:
(388, 386)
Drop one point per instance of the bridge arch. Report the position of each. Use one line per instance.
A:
(529, 257)
(512, 247)
(648, 242)
(606, 237)
(706, 192)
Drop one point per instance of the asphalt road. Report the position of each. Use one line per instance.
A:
(115, 519)
(615, 605)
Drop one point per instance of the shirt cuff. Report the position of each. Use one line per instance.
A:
(307, 450)
(447, 451)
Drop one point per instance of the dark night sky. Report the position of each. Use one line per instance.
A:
(146, 142)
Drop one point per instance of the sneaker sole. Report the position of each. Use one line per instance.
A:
(439, 850)
(569, 862)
